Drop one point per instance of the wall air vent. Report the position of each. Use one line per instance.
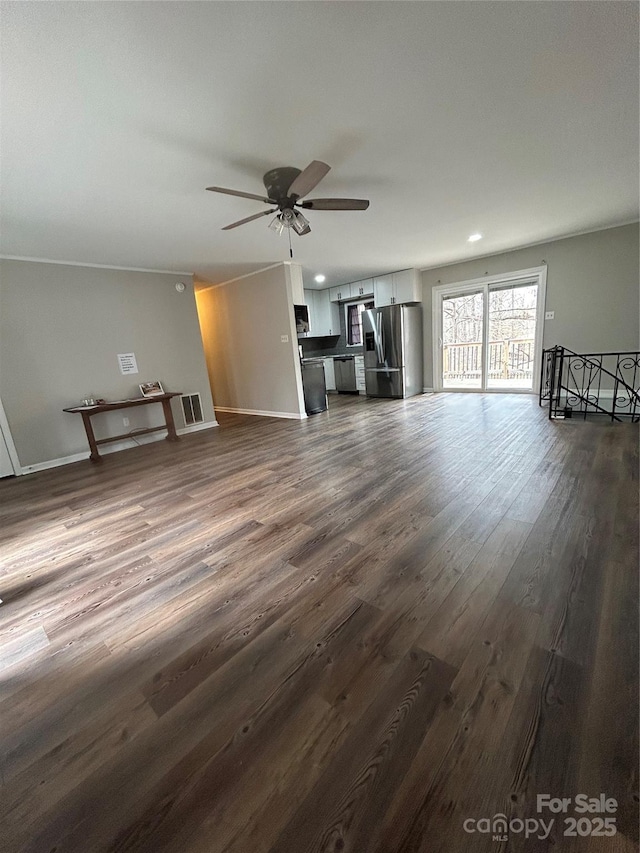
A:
(191, 409)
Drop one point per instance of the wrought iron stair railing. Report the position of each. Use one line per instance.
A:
(580, 384)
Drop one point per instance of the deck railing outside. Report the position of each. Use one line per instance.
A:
(510, 361)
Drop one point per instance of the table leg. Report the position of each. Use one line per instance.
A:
(168, 417)
(88, 428)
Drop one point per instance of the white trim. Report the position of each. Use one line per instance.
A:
(293, 337)
(8, 440)
(114, 447)
(606, 393)
(54, 463)
(132, 441)
(427, 391)
(93, 266)
(487, 391)
(265, 414)
(240, 277)
(549, 240)
(197, 427)
(484, 283)
(497, 278)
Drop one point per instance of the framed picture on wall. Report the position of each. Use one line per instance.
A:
(151, 389)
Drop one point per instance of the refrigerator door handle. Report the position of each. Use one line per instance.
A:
(379, 341)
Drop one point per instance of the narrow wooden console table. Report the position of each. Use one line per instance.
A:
(88, 411)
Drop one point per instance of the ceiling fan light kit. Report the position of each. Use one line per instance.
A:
(277, 225)
(300, 225)
(285, 186)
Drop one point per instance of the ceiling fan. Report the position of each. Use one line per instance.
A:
(285, 186)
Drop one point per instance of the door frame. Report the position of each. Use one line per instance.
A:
(8, 440)
(539, 274)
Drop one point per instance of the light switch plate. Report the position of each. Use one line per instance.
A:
(549, 315)
(284, 339)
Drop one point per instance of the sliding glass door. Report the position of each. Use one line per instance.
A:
(512, 336)
(489, 335)
(462, 334)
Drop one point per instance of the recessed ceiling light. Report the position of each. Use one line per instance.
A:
(474, 237)
(320, 279)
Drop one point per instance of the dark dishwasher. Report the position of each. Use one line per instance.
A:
(345, 371)
(314, 386)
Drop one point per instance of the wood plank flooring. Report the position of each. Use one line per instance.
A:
(348, 634)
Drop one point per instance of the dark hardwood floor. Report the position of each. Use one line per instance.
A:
(353, 633)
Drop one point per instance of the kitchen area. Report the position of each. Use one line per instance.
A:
(362, 338)
(277, 348)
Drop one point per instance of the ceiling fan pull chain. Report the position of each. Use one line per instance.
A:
(290, 249)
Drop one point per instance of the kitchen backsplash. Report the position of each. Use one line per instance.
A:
(319, 347)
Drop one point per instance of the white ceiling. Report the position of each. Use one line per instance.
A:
(515, 119)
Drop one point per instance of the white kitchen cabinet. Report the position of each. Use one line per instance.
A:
(394, 288)
(383, 290)
(294, 271)
(339, 294)
(329, 374)
(354, 290)
(406, 286)
(360, 382)
(397, 288)
(326, 314)
(362, 288)
(309, 301)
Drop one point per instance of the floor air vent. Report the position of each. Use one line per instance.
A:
(191, 409)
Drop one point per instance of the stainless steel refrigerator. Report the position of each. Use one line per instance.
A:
(393, 355)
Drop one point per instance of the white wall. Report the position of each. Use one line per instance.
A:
(61, 328)
(592, 286)
(250, 368)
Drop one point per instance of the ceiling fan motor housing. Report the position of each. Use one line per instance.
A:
(277, 182)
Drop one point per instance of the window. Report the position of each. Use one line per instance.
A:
(354, 322)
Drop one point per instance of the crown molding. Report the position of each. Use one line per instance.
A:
(92, 266)
(239, 277)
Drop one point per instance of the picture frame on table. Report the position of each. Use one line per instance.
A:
(151, 389)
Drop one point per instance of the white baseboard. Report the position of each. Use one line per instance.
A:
(263, 414)
(197, 427)
(128, 443)
(114, 447)
(605, 393)
(427, 391)
(53, 463)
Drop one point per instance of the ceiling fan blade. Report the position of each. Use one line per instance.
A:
(242, 195)
(308, 178)
(335, 204)
(249, 218)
